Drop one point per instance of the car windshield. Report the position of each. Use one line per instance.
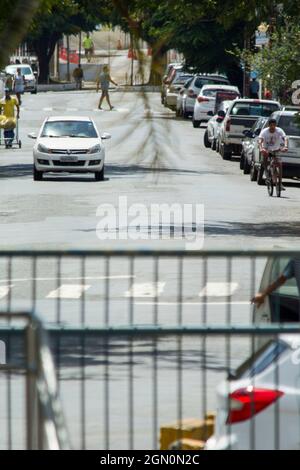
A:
(253, 109)
(182, 79)
(200, 82)
(24, 70)
(290, 125)
(260, 360)
(83, 129)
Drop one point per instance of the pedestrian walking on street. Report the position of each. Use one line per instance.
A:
(254, 89)
(19, 81)
(7, 109)
(78, 77)
(88, 46)
(104, 80)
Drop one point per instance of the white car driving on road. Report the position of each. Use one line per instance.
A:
(69, 144)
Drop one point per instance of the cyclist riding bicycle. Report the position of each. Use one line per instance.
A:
(272, 140)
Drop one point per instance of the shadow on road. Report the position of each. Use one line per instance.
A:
(15, 171)
(270, 229)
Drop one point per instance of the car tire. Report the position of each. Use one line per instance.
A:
(196, 124)
(207, 143)
(99, 175)
(214, 145)
(253, 172)
(37, 175)
(226, 152)
(217, 146)
(260, 176)
(242, 161)
(34, 92)
(246, 167)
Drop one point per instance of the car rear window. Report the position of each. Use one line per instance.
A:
(253, 109)
(182, 78)
(290, 125)
(200, 82)
(260, 360)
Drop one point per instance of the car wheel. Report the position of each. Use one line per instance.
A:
(207, 143)
(37, 175)
(177, 112)
(253, 172)
(196, 124)
(242, 161)
(99, 175)
(246, 167)
(225, 152)
(217, 146)
(214, 144)
(260, 176)
(34, 92)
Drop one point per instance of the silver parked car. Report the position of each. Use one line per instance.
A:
(249, 146)
(211, 134)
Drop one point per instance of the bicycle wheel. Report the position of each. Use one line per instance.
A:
(269, 183)
(278, 184)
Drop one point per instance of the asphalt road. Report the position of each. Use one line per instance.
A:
(152, 158)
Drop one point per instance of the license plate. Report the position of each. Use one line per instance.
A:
(69, 159)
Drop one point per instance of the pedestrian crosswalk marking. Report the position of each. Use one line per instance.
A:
(4, 290)
(219, 289)
(147, 289)
(68, 291)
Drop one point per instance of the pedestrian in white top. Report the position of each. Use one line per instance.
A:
(19, 81)
(271, 140)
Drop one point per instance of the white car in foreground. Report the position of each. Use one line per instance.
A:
(69, 144)
(259, 406)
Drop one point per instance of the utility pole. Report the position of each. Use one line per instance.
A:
(80, 44)
(68, 59)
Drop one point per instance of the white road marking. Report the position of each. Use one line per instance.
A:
(173, 304)
(71, 109)
(48, 109)
(87, 278)
(219, 289)
(147, 289)
(4, 290)
(68, 291)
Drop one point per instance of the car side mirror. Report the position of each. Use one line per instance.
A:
(246, 133)
(105, 136)
(32, 135)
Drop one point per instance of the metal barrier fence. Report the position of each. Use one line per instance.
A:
(121, 385)
(43, 421)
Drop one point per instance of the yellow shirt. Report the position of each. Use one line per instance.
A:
(8, 107)
(87, 43)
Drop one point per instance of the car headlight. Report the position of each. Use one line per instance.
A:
(41, 148)
(95, 149)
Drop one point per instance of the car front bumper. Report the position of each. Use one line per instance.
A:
(59, 163)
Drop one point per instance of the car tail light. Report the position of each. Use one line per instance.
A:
(202, 99)
(228, 124)
(191, 93)
(247, 402)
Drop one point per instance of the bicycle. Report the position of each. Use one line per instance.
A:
(273, 174)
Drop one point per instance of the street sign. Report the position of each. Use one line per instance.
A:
(261, 38)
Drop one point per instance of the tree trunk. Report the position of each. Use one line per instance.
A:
(44, 48)
(158, 66)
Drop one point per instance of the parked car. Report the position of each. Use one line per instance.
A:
(211, 134)
(69, 144)
(191, 93)
(179, 102)
(30, 77)
(258, 405)
(168, 78)
(289, 122)
(205, 103)
(2, 83)
(249, 146)
(241, 116)
(283, 305)
(174, 89)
